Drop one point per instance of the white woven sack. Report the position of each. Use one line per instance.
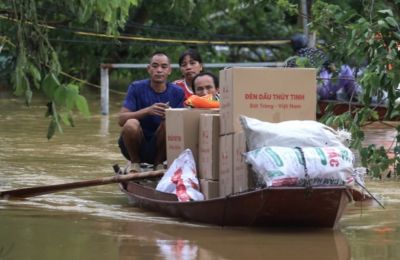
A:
(301, 133)
(284, 166)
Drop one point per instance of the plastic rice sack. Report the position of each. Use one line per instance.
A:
(292, 133)
(181, 178)
(284, 166)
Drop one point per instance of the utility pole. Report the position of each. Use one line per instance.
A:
(304, 16)
(304, 19)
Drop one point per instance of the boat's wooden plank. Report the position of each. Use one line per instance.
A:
(283, 206)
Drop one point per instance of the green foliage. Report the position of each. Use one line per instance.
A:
(376, 159)
(45, 37)
(364, 34)
(78, 36)
(37, 60)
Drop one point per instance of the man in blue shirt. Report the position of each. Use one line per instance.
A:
(142, 116)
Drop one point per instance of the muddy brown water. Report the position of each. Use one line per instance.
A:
(98, 223)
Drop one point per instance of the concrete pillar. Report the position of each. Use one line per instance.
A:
(104, 82)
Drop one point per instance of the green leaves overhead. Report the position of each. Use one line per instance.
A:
(50, 85)
(391, 21)
(49, 38)
(37, 67)
(386, 12)
(66, 98)
(82, 105)
(368, 40)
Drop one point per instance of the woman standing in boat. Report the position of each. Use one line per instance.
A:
(190, 64)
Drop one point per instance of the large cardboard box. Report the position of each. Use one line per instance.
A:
(209, 188)
(240, 167)
(209, 146)
(182, 131)
(268, 94)
(225, 165)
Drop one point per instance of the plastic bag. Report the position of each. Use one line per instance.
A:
(207, 101)
(284, 166)
(181, 178)
(292, 133)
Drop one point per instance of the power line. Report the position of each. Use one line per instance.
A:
(111, 42)
(162, 40)
(180, 30)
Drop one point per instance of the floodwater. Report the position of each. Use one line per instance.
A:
(98, 223)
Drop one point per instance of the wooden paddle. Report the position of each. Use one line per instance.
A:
(46, 189)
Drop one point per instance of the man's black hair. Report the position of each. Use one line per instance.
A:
(192, 53)
(298, 41)
(159, 53)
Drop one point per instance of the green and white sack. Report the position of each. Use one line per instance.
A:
(284, 166)
(292, 133)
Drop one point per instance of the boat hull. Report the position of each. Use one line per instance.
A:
(320, 207)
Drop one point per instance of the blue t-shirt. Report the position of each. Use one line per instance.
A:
(140, 95)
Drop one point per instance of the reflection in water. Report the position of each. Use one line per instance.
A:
(177, 249)
(104, 125)
(97, 223)
(5, 251)
(180, 242)
(373, 232)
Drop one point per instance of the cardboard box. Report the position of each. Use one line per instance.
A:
(182, 131)
(234, 173)
(268, 94)
(209, 146)
(209, 188)
(240, 167)
(225, 165)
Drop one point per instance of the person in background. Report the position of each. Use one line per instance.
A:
(143, 137)
(190, 64)
(309, 56)
(346, 88)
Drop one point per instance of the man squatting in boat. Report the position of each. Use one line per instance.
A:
(142, 116)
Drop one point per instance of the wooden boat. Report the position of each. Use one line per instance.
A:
(320, 207)
(340, 107)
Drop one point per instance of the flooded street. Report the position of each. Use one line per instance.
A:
(98, 223)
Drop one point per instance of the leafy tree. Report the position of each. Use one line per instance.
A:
(365, 34)
(28, 26)
(52, 44)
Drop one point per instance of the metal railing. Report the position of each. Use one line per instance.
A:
(104, 77)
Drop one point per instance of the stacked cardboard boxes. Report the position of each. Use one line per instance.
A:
(209, 155)
(217, 155)
(268, 94)
(182, 127)
(197, 130)
(208, 146)
(216, 137)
